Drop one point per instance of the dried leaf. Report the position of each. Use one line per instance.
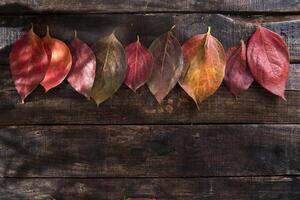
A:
(60, 61)
(82, 74)
(268, 59)
(111, 68)
(238, 77)
(168, 65)
(28, 63)
(140, 65)
(205, 58)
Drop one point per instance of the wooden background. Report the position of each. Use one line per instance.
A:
(61, 146)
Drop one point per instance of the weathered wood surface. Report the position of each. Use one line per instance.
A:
(149, 151)
(70, 149)
(228, 29)
(258, 188)
(109, 6)
(63, 105)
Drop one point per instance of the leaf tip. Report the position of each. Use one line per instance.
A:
(283, 97)
(198, 106)
(46, 89)
(159, 100)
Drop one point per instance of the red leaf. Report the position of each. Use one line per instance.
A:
(268, 59)
(140, 64)
(238, 77)
(28, 63)
(190, 48)
(82, 74)
(60, 62)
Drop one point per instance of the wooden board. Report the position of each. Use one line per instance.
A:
(228, 29)
(258, 188)
(63, 105)
(61, 146)
(149, 151)
(109, 6)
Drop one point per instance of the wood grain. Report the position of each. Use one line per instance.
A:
(149, 151)
(63, 105)
(229, 29)
(108, 6)
(258, 188)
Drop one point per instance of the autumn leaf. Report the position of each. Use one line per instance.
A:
(238, 77)
(60, 61)
(268, 59)
(205, 63)
(82, 74)
(140, 65)
(111, 68)
(28, 63)
(168, 65)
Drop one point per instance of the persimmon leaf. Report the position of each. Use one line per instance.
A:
(168, 65)
(205, 63)
(82, 74)
(111, 68)
(28, 63)
(238, 77)
(268, 59)
(140, 65)
(60, 61)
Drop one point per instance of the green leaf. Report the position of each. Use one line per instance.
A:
(111, 68)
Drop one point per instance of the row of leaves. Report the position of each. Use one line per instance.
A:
(199, 65)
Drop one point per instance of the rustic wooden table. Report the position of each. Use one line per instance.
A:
(61, 146)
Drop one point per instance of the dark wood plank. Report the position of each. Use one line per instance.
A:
(63, 105)
(228, 29)
(259, 188)
(149, 151)
(100, 6)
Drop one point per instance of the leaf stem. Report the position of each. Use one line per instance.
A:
(75, 33)
(31, 26)
(48, 31)
(173, 27)
(209, 30)
(137, 38)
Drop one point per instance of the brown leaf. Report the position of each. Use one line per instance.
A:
(60, 61)
(205, 58)
(140, 65)
(82, 74)
(111, 68)
(28, 63)
(268, 59)
(238, 77)
(168, 65)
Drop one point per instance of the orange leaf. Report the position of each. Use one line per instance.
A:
(60, 61)
(205, 62)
